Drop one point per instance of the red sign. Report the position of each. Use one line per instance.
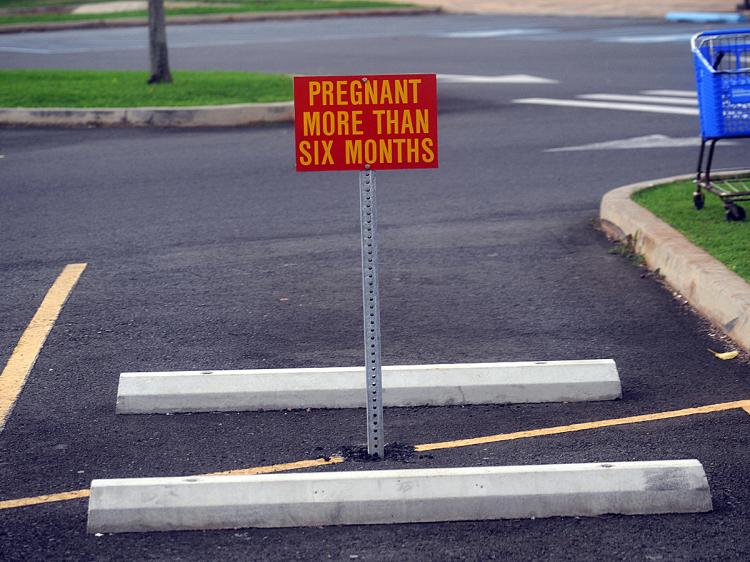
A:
(382, 122)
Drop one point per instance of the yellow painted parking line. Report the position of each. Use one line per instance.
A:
(712, 408)
(78, 494)
(278, 467)
(27, 350)
(744, 404)
(48, 498)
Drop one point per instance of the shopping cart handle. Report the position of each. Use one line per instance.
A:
(722, 32)
(713, 66)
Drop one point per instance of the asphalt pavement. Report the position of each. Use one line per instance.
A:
(206, 250)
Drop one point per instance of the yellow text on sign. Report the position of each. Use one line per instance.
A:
(372, 92)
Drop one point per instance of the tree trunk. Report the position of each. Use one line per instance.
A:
(157, 43)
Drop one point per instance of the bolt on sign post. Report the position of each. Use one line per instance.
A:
(367, 123)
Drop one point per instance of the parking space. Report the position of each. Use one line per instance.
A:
(206, 251)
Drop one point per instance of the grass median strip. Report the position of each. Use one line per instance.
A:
(62, 12)
(109, 88)
(707, 228)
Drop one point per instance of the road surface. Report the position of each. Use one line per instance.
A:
(205, 250)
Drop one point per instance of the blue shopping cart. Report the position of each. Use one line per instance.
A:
(722, 73)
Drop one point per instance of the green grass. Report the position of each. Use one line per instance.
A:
(41, 3)
(241, 6)
(94, 88)
(729, 242)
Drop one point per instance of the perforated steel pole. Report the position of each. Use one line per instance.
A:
(371, 306)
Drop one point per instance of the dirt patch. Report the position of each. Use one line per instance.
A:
(399, 452)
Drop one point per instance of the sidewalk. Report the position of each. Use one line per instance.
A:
(629, 8)
(600, 8)
(218, 18)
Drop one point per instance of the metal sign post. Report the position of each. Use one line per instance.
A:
(363, 123)
(371, 307)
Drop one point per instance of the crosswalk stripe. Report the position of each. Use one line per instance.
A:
(490, 33)
(12, 49)
(679, 93)
(646, 108)
(648, 141)
(640, 99)
(507, 79)
(648, 39)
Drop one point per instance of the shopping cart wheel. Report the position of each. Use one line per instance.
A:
(734, 212)
(698, 200)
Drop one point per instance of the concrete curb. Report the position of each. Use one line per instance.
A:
(397, 496)
(216, 18)
(233, 115)
(230, 115)
(705, 17)
(719, 294)
(412, 385)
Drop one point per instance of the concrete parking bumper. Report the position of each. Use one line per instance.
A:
(405, 385)
(397, 496)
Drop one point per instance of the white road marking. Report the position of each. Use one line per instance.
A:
(673, 38)
(10, 49)
(611, 105)
(680, 93)
(648, 141)
(490, 33)
(507, 79)
(640, 99)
